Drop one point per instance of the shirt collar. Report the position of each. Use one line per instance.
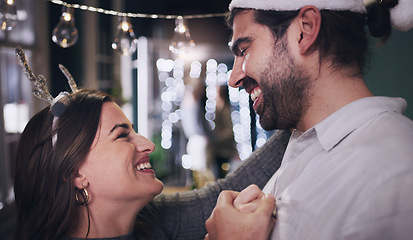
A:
(338, 125)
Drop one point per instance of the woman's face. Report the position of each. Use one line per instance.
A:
(117, 168)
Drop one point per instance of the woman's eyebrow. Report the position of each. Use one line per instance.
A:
(123, 125)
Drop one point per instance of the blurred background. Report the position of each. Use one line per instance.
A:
(167, 64)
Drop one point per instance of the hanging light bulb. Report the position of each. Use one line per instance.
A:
(8, 15)
(125, 40)
(181, 40)
(65, 33)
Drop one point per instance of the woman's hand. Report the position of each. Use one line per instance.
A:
(244, 215)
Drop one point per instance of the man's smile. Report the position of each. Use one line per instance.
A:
(255, 93)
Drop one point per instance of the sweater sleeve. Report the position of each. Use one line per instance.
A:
(183, 215)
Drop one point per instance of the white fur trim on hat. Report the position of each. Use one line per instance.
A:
(293, 5)
(401, 15)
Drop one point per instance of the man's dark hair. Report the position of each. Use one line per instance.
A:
(342, 35)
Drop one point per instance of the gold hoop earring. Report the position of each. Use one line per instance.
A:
(84, 196)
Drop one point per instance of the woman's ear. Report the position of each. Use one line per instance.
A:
(309, 19)
(80, 181)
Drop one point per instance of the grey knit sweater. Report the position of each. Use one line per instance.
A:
(183, 215)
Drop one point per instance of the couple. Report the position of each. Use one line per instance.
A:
(347, 172)
(82, 172)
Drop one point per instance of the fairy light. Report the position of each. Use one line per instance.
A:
(67, 16)
(135, 15)
(170, 75)
(125, 41)
(181, 41)
(211, 91)
(65, 33)
(241, 120)
(261, 136)
(8, 15)
(125, 26)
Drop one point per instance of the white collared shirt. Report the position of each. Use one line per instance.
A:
(348, 177)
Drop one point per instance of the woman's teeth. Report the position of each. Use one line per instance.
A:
(142, 166)
(255, 94)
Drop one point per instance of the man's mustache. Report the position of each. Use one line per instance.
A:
(248, 83)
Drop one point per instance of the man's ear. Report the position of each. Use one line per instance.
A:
(309, 19)
(80, 181)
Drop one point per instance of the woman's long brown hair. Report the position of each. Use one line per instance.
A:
(43, 185)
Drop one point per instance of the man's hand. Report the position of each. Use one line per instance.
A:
(248, 199)
(253, 221)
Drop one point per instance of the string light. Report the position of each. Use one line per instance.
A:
(8, 15)
(173, 90)
(211, 92)
(65, 33)
(181, 41)
(136, 15)
(261, 136)
(125, 40)
(241, 120)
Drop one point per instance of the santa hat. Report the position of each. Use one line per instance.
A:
(292, 5)
(401, 15)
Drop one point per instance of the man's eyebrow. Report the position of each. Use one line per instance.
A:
(234, 46)
(123, 125)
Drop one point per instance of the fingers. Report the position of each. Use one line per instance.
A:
(266, 205)
(267, 209)
(227, 223)
(224, 213)
(248, 199)
(248, 207)
(247, 195)
(226, 197)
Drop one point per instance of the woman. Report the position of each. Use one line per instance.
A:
(92, 182)
(81, 170)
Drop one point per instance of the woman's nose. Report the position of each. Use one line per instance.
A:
(144, 145)
(237, 74)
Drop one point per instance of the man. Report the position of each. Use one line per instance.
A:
(347, 172)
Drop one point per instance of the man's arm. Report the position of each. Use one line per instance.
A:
(183, 215)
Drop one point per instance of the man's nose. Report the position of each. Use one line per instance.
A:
(237, 74)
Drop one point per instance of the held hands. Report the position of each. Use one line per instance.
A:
(241, 215)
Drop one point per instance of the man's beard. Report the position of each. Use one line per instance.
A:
(285, 90)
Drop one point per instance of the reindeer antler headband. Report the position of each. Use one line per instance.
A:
(40, 90)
